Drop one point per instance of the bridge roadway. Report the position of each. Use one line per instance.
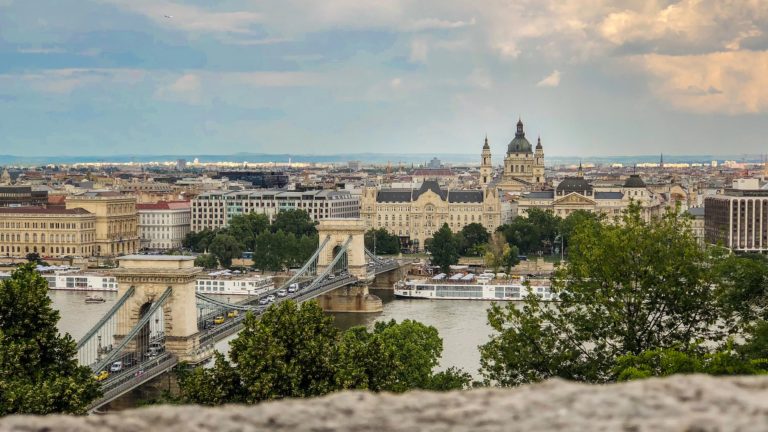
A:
(128, 379)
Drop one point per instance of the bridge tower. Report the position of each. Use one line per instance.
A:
(150, 276)
(339, 230)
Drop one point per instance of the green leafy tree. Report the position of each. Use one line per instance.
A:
(628, 288)
(669, 361)
(226, 248)
(744, 288)
(289, 352)
(394, 357)
(38, 370)
(472, 236)
(268, 252)
(215, 386)
(444, 248)
(382, 242)
(199, 241)
(574, 220)
(297, 222)
(246, 227)
(206, 261)
(295, 351)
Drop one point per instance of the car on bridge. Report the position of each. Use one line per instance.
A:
(101, 376)
(282, 293)
(232, 314)
(263, 301)
(219, 319)
(293, 288)
(116, 366)
(271, 298)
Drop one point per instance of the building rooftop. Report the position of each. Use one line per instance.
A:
(43, 211)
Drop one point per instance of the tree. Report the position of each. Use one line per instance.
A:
(199, 241)
(628, 288)
(38, 368)
(206, 261)
(574, 220)
(295, 351)
(670, 361)
(501, 254)
(473, 235)
(246, 227)
(215, 386)
(289, 352)
(444, 248)
(297, 222)
(34, 257)
(225, 248)
(394, 357)
(382, 242)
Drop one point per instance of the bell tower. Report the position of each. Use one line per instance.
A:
(538, 163)
(486, 167)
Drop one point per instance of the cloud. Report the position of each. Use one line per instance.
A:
(65, 81)
(551, 80)
(191, 18)
(437, 24)
(731, 82)
(187, 89)
(419, 51)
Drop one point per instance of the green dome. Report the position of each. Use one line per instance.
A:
(519, 144)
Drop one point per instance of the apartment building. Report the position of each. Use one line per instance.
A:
(50, 232)
(164, 224)
(215, 209)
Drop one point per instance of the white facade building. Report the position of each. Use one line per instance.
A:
(164, 224)
(215, 209)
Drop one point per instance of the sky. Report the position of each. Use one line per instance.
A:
(591, 77)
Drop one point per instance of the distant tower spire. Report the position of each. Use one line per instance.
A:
(581, 170)
(520, 132)
(486, 146)
(661, 161)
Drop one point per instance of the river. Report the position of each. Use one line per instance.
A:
(461, 323)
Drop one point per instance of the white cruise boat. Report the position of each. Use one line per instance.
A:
(462, 286)
(233, 282)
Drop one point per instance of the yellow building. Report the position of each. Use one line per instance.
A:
(50, 232)
(415, 214)
(116, 221)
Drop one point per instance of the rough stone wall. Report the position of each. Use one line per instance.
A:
(681, 403)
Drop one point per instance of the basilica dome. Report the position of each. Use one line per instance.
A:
(519, 144)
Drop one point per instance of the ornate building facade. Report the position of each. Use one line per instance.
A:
(576, 193)
(523, 167)
(50, 232)
(415, 215)
(117, 221)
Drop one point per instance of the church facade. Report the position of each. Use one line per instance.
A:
(523, 165)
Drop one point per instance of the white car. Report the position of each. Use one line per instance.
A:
(271, 297)
(282, 293)
(263, 300)
(116, 366)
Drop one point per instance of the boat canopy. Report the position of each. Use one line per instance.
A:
(440, 276)
(468, 277)
(456, 277)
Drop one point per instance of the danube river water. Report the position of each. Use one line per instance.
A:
(461, 323)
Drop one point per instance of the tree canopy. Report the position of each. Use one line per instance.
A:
(40, 374)
(382, 242)
(444, 247)
(296, 222)
(226, 248)
(627, 288)
(295, 351)
(472, 237)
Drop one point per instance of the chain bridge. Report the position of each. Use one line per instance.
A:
(160, 320)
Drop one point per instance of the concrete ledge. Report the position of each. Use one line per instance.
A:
(683, 403)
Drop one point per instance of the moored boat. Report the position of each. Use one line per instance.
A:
(470, 287)
(94, 299)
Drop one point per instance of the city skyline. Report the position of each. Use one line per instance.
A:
(592, 78)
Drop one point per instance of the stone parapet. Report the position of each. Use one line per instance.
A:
(680, 403)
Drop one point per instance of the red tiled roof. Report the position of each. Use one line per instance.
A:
(164, 205)
(57, 199)
(442, 172)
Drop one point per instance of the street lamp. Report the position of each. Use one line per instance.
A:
(560, 236)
